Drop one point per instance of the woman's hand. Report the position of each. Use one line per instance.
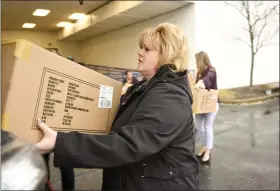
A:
(46, 145)
(200, 85)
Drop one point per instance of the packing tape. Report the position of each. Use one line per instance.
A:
(5, 122)
(23, 50)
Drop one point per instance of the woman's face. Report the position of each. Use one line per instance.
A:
(129, 76)
(147, 62)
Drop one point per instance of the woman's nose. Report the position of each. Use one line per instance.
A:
(140, 52)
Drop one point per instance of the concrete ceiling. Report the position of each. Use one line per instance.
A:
(102, 16)
(116, 15)
(15, 13)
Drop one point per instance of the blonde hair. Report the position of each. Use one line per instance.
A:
(202, 61)
(168, 40)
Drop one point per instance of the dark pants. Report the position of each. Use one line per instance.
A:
(67, 175)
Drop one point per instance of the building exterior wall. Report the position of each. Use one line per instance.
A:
(119, 48)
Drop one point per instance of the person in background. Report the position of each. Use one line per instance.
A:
(128, 81)
(151, 144)
(67, 176)
(129, 76)
(206, 78)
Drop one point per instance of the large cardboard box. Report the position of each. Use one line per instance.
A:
(204, 101)
(37, 83)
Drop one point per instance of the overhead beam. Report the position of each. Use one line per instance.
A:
(105, 12)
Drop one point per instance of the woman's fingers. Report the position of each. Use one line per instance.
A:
(43, 126)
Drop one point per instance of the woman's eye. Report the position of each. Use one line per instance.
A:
(146, 49)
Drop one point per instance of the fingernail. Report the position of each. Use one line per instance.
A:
(40, 121)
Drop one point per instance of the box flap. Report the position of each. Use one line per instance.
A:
(23, 48)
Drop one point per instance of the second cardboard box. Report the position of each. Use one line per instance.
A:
(204, 101)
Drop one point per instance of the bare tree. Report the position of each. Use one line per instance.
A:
(256, 14)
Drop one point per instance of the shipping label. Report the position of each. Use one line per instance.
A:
(65, 101)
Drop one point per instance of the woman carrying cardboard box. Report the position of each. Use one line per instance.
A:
(206, 78)
(151, 146)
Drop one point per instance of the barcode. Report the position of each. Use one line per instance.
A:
(105, 103)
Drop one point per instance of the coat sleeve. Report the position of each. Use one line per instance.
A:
(208, 79)
(159, 119)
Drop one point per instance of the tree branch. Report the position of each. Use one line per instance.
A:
(266, 14)
(243, 41)
(259, 35)
(240, 10)
(259, 46)
(258, 3)
(264, 42)
(245, 29)
(245, 4)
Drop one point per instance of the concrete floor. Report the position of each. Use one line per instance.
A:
(245, 154)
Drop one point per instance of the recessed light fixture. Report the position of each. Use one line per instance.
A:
(41, 12)
(28, 25)
(63, 24)
(76, 16)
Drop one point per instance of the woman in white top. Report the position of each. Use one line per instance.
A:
(128, 81)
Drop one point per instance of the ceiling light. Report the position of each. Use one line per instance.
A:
(28, 25)
(76, 16)
(41, 12)
(63, 24)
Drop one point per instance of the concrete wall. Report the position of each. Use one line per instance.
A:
(119, 48)
(217, 25)
(46, 40)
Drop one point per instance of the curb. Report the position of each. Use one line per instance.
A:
(250, 100)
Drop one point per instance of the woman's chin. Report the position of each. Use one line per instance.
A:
(139, 68)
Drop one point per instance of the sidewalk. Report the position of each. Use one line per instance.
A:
(246, 149)
(250, 101)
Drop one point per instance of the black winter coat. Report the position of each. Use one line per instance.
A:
(151, 146)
